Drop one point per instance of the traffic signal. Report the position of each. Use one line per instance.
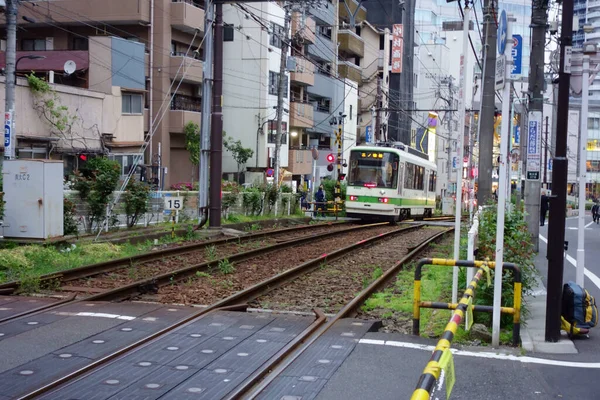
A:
(341, 177)
(330, 160)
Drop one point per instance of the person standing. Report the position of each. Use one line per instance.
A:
(543, 208)
(595, 214)
(320, 199)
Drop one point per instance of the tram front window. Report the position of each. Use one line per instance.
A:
(373, 169)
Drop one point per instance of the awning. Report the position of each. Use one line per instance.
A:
(54, 61)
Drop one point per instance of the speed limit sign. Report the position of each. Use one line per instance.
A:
(173, 203)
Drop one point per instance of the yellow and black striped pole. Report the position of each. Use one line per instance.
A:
(433, 369)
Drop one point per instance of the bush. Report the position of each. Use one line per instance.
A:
(271, 196)
(184, 186)
(329, 186)
(96, 182)
(518, 249)
(252, 201)
(69, 222)
(136, 201)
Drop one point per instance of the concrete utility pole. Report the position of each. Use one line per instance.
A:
(10, 145)
(583, 136)
(488, 105)
(203, 182)
(449, 116)
(539, 19)
(556, 224)
(378, 134)
(216, 142)
(281, 89)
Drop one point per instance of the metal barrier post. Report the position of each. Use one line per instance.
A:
(432, 370)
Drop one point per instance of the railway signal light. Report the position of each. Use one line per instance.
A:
(330, 160)
(341, 177)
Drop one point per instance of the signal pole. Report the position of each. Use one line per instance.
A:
(556, 224)
(10, 145)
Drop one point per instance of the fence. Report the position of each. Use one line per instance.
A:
(233, 204)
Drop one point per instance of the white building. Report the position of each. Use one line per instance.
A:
(251, 69)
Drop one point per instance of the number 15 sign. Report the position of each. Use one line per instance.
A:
(173, 203)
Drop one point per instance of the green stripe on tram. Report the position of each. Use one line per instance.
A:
(391, 200)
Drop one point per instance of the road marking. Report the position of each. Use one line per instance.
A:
(591, 276)
(589, 224)
(496, 356)
(97, 315)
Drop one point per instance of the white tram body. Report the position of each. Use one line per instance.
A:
(390, 182)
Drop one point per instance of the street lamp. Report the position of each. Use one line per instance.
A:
(10, 141)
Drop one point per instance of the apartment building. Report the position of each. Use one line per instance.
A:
(251, 59)
(133, 50)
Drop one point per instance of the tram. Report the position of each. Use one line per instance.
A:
(390, 182)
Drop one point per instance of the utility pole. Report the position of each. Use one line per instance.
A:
(10, 144)
(539, 19)
(281, 89)
(583, 136)
(556, 225)
(449, 116)
(203, 182)
(546, 155)
(216, 142)
(488, 105)
(378, 108)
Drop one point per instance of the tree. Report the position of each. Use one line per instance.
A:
(240, 154)
(192, 141)
(136, 201)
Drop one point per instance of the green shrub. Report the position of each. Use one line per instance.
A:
(518, 249)
(69, 223)
(136, 201)
(252, 201)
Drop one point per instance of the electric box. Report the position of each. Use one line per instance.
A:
(33, 191)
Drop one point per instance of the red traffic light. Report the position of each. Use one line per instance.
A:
(341, 177)
(330, 158)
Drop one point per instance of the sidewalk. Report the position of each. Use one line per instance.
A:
(533, 330)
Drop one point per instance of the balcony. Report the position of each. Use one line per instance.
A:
(304, 30)
(361, 15)
(191, 67)
(351, 43)
(300, 162)
(184, 109)
(350, 71)
(301, 115)
(305, 72)
(118, 12)
(186, 15)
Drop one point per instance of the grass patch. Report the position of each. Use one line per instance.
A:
(240, 218)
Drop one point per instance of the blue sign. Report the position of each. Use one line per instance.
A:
(517, 55)
(6, 136)
(533, 138)
(368, 135)
(549, 164)
(454, 163)
(502, 33)
(517, 134)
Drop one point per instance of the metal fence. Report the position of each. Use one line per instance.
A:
(287, 204)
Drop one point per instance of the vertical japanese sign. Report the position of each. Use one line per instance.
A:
(397, 48)
(8, 137)
(517, 56)
(534, 154)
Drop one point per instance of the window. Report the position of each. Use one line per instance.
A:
(276, 35)
(32, 153)
(373, 169)
(324, 31)
(80, 43)
(414, 176)
(324, 105)
(131, 103)
(126, 161)
(33, 44)
(350, 112)
(593, 123)
(432, 181)
(273, 131)
(274, 82)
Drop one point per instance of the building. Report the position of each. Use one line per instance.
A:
(146, 51)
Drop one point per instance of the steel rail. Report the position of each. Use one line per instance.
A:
(250, 390)
(231, 303)
(134, 288)
(38, 309)
(107, 266)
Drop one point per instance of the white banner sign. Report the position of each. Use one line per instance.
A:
(534, 153)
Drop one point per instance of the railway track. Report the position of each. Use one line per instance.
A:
(258, 381)
(111, 289)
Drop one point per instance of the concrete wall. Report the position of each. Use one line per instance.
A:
(96, 113)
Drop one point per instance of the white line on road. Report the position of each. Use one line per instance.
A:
(496, 356)
(591, 276)
(589, 224)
